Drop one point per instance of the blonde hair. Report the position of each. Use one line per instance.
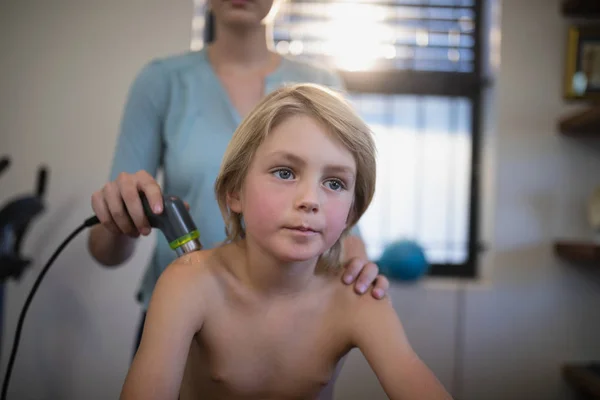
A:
(334, 113)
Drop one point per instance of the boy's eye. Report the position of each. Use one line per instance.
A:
(335, 184)
(283, 173)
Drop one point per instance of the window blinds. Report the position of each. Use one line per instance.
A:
(360, 35)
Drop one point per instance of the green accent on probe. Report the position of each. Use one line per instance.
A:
(184, 239)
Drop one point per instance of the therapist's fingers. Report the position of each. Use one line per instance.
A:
(118, 211)
(103, 213)
(381, 287)
(133, 203)
(151, 189)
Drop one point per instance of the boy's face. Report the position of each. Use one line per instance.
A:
(298, 191)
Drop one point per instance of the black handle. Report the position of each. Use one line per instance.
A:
(4, 163)
(42, 180)
(175, 220)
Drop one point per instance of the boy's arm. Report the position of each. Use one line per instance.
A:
(175, 314)
(378, 333)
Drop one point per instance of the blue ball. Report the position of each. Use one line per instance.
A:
(403, 260)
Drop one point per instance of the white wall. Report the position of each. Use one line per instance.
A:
(65, 68)
(538, 312)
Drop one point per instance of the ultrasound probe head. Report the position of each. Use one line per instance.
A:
(176, 224)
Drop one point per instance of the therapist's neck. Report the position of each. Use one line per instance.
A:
(236, 47)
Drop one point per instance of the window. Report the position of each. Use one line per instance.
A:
(412, 68)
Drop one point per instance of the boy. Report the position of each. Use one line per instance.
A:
(263, 316)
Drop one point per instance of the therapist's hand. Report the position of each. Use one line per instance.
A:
(365, 274)
(118, 205)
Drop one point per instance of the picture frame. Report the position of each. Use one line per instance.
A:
(582, 69)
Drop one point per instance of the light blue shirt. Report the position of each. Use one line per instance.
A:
(178, 117)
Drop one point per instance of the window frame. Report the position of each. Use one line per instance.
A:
(430, 83)
(445, 84)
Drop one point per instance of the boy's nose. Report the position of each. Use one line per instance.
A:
(309, 206)
(308, 199)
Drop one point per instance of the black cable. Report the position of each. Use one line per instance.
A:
(88, 223)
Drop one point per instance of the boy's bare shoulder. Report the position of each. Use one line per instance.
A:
(197, 261)
(194, 270)
(349, 301)
(191, 264)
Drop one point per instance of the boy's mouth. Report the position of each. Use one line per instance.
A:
(302, 228)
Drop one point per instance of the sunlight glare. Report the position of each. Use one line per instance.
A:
(356, 36)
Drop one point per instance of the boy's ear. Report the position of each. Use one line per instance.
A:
(234, 202)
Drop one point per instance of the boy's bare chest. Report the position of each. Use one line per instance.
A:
(268, 355)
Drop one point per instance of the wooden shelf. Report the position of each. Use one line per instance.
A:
(588, 9)
(587, 253)
(582, 123)
(584, 378)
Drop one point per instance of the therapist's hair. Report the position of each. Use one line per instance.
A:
(330, 109)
